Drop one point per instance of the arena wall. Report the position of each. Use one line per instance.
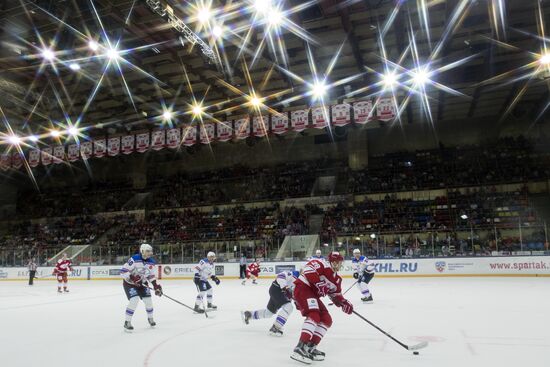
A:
(530, 266)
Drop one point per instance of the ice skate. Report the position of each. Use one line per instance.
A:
(316, 354)
(367, 299)
(212, 307)
(275, 331)
(128, 326)
(301, 354)
(197, 309)
(152, 322)
(246, 316)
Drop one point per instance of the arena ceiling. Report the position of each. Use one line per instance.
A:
(441, 60)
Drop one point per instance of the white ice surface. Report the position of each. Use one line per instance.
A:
(468, 322)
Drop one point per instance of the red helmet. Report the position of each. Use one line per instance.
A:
(335, 256)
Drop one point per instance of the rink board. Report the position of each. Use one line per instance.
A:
(532, 266)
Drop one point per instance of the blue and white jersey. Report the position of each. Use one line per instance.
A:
(286, 279)
(204, 269)
(317, 257)
(137, 265)
(363, 264)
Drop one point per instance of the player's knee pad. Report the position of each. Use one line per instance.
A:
(326, 319)
(132, 302)
(287, 308)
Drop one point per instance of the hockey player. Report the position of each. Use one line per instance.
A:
(252, 272)
(203, 272)
(319, 279)
(62, 266)
(318, 255)
(363, 271)
(137, 273)
(280, 295)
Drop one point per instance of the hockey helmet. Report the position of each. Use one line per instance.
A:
(146, 250)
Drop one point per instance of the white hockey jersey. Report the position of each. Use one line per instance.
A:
(363, 264)
(286, 279)
(137, 265)
(204, 269)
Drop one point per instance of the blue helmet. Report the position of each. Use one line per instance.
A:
(295, 273)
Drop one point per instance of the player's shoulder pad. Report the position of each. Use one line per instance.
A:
(363, 258)
(137, 257)
(150, 261)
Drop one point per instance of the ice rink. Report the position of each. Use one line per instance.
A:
(468, 322)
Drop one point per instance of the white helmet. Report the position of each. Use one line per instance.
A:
(211, 256)
(357, 252)
(318, 252)
(146, 250)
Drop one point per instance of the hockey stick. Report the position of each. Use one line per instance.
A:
(424, 344)
(347, 290)
(175, 300)
(202, 300)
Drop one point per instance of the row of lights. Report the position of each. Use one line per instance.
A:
(16, 140)
(48, 54)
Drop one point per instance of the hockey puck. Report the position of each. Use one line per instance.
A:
(416, 353)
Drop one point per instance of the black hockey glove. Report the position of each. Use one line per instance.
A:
(215, 279)
(355, 275)
(197, 279)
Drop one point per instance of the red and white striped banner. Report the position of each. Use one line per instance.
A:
(299, 119)
(207, 133)
(279, 123)
(142, 142)
(158, 139)
(113, 146)
(225, 131)
(242, 128)
(189, 135)
(72, 153)
(58, 154)
(34, 157)
(320, 117)
(260, 125)
(173, 138)
(46, 155)
(86, 150)
(341, 114)
(362, 112)
(385, 109)
(100, 147)
(5, 161)
(128, 144)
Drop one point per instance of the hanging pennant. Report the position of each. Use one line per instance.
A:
(46, 155)
(142, 142)
(260, 125)
(341, 114)
(34, 157)
(385, 109)
(86, 150)
(207, 133)
(72, 152)
(173, 138)
(189, 135)
(127, 145)
(5, 161)
(113, 146)
(158, 139)
(100, 147)
(17, 160)
(225, 131)
(362, 112)
(58, 154)
(279, 123)
(299, 119)
(319, 117)
(242, 128)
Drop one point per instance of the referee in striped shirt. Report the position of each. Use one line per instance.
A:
(32, 271)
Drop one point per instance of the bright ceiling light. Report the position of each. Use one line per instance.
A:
(262, 6)
(389, 79)
(217, 31)
(54, 133)
(92, 45)
(421, 77)
(33, 138)
(203, 15)
(275, 17)
(197, 110)
(74, 66)
(72, 131)
(48, 54)
(14, 139)
(319, 89)
(167, 115)
(545, 59)
(464, 216)
(112, 54)
(255, 101)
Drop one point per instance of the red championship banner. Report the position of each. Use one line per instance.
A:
(320, 117)
(142, 142)
(173, 138)
(100, 147)
(299, 119)
(279, 123)
(86, 150)
(207, 133)
(225, 131)
(5, 161)
(189, 135)
(341, 114)
(72, 153)
(362, 112)
(58, 154)
(158, 139)
(242, 128)
(127, 145)
(46, 155)
(17, 160)
(34, 157)
(260, 125)
(385, 109)
(113, 146)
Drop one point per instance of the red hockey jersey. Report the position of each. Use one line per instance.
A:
(62, 266)
(253, 268)
(318, 271)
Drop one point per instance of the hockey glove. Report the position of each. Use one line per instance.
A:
(215, 279)
(355, 275)
(197, 279)
(347, 307)
(157, 288)
(137, 280)
(322, 289)
(287, 292)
